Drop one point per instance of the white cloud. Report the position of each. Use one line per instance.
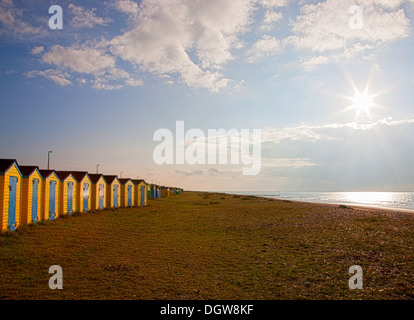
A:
(80, 59)
(90, 60)
(37, 50)
(269, 19)
(324, 28)
(192, 41)
(273, 3)
(191, 38)
(56, 76)
(127, 6)
(286, 162)
(313, 133)
(84, 18)
(266, 46)
(13, 22)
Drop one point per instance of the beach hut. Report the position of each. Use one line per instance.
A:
(172, 191)
(83, 186)
(156, 191)
(50, 195)
(98, 191)
(112, 191)
(148, 188)
(140, 192)
(31, 191)
(127, 192)
(165, 192)
(68, 193)
(10, 185)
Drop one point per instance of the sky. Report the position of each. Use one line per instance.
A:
(329, 84)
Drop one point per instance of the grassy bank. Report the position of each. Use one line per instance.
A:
(213, 246)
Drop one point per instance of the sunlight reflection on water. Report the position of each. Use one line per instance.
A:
(397, 200)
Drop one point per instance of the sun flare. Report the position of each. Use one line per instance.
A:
(362, 102)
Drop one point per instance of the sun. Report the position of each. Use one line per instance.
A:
(362, 102)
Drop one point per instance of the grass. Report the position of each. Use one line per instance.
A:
(213, 246)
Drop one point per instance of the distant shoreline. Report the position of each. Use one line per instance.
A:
(348, 204)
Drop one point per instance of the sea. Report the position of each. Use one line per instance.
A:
(384, 200)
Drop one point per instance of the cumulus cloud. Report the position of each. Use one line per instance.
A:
(85, 18)
(127, 6)
(37, 50)
(324, 28)
(266, 46)
(193, 39)
(82, 59)
(12, 21)
(269, 19)
(86, 60)
(61, 78)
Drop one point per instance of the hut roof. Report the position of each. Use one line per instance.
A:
(109, 179)
(64, 174)
(138, 181)
(5, 164)
(95, 177)
(47, 173)
(28, 170)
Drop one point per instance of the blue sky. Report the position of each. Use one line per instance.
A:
(97, 90)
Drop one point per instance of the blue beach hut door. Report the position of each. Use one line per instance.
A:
(35, 195)
(129, 195)
(115, 195)
(142, 195)
(101, 196)
(52, 200)
(70, 197)
(12, 203)
(85, 196)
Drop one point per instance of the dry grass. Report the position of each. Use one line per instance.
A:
(213, 246)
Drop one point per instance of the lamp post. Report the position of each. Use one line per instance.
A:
(48, 159)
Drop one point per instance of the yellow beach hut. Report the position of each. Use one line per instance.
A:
(10, 185)
(127, 192)
(165, 192)
(98, 191)
(172, 191)
(68, 193)
(113, 189)
(83, 186)
(50, 195)
(31, 194)
(140, 186)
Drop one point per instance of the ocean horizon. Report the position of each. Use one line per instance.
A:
(383, 200)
